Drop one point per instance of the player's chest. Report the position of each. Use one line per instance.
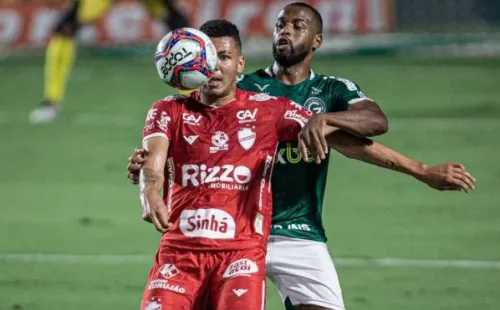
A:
(233, 134)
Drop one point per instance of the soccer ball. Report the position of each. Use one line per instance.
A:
(185, 58)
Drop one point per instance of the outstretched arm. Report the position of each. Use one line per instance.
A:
(363, 119)
(151, 180)
(450, 176)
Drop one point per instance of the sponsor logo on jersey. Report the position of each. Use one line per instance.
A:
(190, 139)
(219, 141)
(153, 305)
(290, 154)
(218, 177)
(163, 122)
(207, 223)
(304, 227)
(261, 97)
(296, 106)
(241, 267)
(261, 88)
(316, 91)
(246, 137)
(315, 104)
(294, 115)
(239, 292)
(165, 285)
(267, 166)
(190, 119)
(246, 116)
(151, 114)
(168, 271)
(259, 223)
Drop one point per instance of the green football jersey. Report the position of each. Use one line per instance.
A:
(298, 186)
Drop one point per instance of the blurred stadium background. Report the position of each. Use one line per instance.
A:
(71, 236)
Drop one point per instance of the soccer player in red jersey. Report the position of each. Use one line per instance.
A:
(212, 153)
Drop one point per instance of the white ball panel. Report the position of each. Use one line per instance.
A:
(193, 79)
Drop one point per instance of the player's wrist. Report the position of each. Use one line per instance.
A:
(419, 170)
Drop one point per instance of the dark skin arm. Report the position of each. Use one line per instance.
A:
(449, 176)
(363, 119)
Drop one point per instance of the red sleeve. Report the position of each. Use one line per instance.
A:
(291, 120)
(160, 120)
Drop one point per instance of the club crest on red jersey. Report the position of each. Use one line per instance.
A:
(246, 137)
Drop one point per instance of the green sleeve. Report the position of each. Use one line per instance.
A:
(346, 92)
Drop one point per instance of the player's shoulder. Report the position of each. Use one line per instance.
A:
(172, 102)
(338, 81)
(175, 99)
(256, 76)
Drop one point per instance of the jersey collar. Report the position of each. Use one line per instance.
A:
(270, 71)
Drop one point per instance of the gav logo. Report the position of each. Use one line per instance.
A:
(247, 116)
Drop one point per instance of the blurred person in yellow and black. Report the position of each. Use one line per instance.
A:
(61, 49)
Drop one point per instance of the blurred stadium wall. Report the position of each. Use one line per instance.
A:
(434, 27)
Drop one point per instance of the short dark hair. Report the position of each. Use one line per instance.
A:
(218, 28)
(315, 12)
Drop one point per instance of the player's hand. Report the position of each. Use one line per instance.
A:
(448, 177)
(135, 162)
(155, 211)
(312, 138)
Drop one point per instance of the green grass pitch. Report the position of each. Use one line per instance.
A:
(63, 189)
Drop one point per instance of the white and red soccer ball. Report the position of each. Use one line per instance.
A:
(185, 58)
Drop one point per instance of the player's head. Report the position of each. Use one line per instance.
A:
(297, 33)
(226, 38)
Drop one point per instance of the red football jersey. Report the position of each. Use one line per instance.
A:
(217, 178)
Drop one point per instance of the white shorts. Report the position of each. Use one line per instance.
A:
(303, 271)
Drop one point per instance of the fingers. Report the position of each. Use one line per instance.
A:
(147, 218)
(305, 144)
(157, 224)
(162, 218)
(313, 141)
(134, 178)
(469, 176)
(302, 148)
(135, 163)
(464, 182)
(139, 158)
(159, 220)
(318, 145)
(458, 165)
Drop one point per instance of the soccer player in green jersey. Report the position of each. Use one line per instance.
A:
(305, 280)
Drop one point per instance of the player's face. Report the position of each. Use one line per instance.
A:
(230, 63)
(295, 36)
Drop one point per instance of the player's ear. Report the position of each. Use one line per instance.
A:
(318, 40)
(241, 64)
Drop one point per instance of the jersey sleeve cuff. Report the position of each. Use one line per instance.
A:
(153, 135)
(355, 100)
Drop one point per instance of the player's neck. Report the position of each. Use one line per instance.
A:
(293, 74)
(217, 101)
